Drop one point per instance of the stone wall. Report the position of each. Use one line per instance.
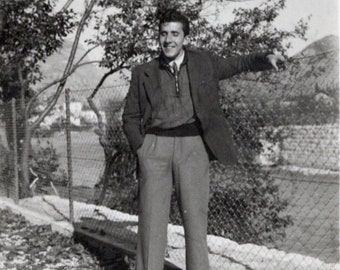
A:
(311, 146)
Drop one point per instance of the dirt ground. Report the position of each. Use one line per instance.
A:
(27, 246)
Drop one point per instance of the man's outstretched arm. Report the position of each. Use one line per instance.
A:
(227, 67)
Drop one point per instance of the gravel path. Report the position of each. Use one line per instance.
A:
(26, 246)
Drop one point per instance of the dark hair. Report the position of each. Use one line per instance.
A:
(174, 16)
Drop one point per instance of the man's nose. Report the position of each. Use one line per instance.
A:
(168, 39)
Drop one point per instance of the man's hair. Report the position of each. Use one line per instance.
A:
(175, 16)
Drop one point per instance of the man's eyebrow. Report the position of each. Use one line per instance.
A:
(172, 31)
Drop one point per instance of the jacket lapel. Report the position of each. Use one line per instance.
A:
(152, 84)
(195, 76)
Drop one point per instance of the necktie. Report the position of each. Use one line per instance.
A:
(175, 71)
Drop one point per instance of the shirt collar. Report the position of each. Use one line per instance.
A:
(178, 61)
(182, 60)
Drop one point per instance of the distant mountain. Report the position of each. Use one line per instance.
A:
(323, 45)
(317, 67)
(84, 79)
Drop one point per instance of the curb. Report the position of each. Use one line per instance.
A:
(63, 227)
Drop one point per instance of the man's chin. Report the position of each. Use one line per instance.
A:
(170, 56)
(171, 53)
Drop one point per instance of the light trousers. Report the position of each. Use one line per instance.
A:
(165, 162)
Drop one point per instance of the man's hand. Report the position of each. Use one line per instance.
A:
(275, 59)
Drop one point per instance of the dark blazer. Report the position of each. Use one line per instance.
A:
(205, 70)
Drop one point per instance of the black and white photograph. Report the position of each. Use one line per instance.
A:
(169, 135)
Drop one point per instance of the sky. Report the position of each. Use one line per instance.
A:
(324, 18)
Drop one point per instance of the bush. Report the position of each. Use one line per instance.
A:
(6, 172)
(121, 195)
(44, 163)
(306, 110)
(248, 124)
(122, 187)
(246, 206)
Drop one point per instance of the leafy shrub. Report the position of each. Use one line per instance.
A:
(318, 108)
(245, 203)
(121, 192)
(249, 125)
(44, 163)
(246, 206)
(6, 171)
(306, 110)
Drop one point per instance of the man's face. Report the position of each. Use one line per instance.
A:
(171, 39)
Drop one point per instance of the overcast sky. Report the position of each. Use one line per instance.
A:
(323, 21)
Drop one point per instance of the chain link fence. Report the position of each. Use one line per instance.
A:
(278, 209)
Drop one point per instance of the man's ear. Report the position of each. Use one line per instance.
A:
(186, 40)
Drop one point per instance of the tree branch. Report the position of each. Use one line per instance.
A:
(68, 69)
(74, 68)
(96, 89)
(67, 5)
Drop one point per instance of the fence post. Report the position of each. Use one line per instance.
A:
(69, 153)
(15, 152)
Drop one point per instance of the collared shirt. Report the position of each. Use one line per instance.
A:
(178, 61)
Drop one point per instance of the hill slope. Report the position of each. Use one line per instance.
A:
(315, 69)
(83, 80)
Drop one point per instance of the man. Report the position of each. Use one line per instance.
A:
(174, 123)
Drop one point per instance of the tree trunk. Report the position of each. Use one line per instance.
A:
(24, 172)
(20, 136)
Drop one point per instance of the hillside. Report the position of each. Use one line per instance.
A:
(83, 80)
(325, 44)
(311, 72)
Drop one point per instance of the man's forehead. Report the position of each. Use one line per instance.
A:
(171, 26)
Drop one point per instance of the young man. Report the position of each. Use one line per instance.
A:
(174, 123)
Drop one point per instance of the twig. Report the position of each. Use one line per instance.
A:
(56, 209)
(54, 188)
(67, 5)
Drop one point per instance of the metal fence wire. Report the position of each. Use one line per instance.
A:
(283, 196)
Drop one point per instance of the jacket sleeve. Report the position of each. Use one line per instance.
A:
(132, 115)
(227, 67)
